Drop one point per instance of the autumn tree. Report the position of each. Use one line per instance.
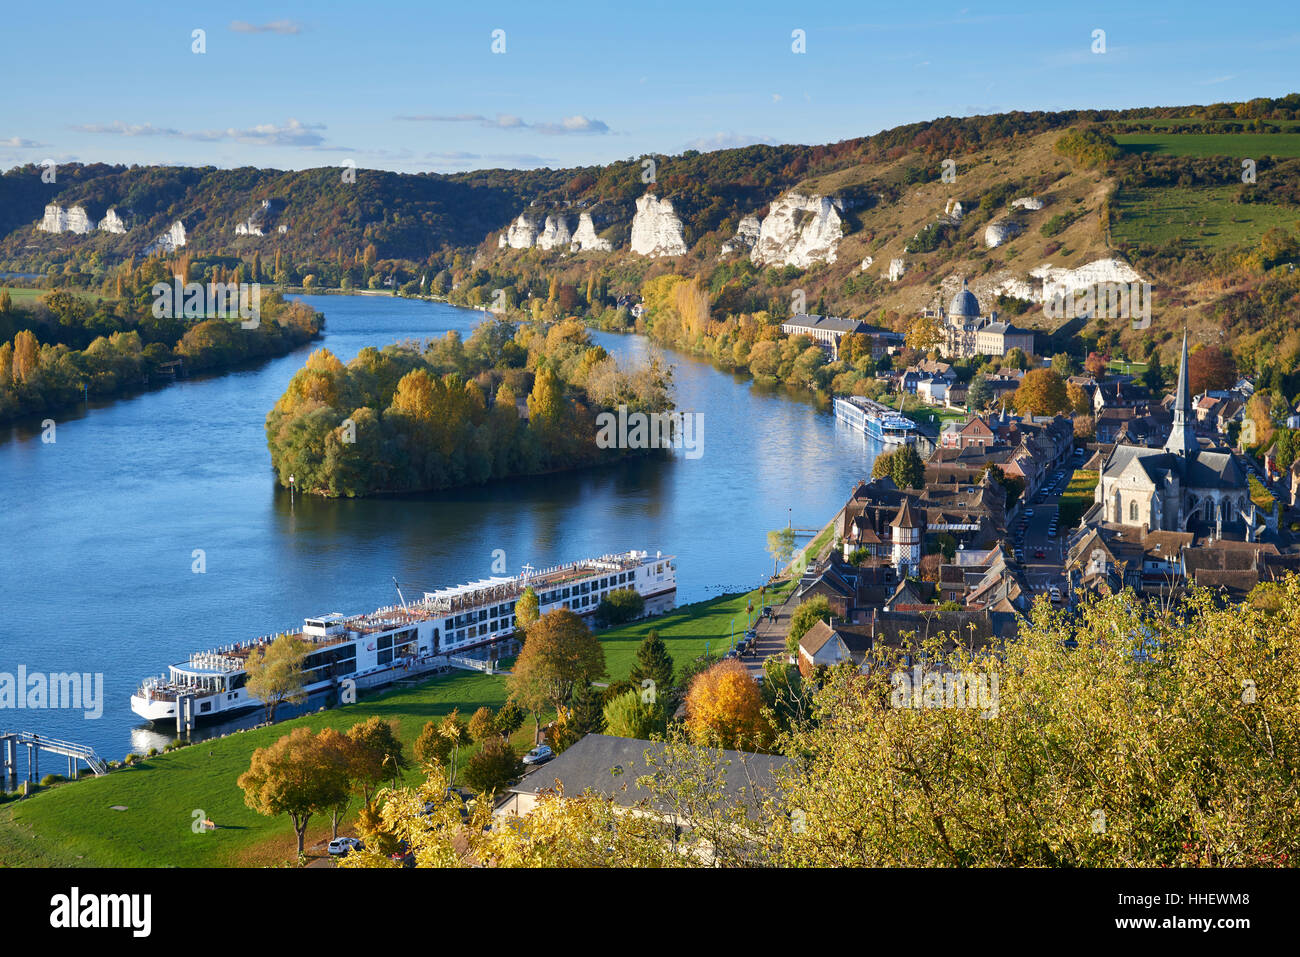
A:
(813, 610)
(903, 465)
(377, 754)
(492, 767)
(780, 545)
(724, 708)
(925, 333)
(526, 609)
(1211, 367)
(560, 655)
(275, 673)
(298, 776)
(1041, 392)
(482, 725)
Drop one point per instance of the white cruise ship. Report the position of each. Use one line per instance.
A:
(878, 421)
(401, 638)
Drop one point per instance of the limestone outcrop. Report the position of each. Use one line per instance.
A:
(70, 220)
(746, 238)
(1002, 231)
(656, 229)
(585, 238)
(169, 241)
(799, 230)
(112, 223)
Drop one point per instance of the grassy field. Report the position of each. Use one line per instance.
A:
(1204, 217)
(1259, 494)
(1126, 368)
(1077, 497)
(23, 296)
(74, 824)
(1237, 145)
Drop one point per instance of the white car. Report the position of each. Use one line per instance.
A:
(340, 846)
(539, 755)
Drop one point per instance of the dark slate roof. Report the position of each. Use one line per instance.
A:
(828, 323)
(610, 766)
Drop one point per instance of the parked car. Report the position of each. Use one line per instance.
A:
(751, 634)
(1029, 512)
(1040, 554)
(403, 855)
(340, 846)
(741, 646)
(539, 755)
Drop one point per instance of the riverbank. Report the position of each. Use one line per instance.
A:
(76, 824)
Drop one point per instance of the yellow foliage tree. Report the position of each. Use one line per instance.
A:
(724, 708)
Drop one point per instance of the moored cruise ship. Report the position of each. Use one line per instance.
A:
(373, 647)
(878, 421)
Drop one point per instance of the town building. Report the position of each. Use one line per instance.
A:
(968, 332)
(1171, 487)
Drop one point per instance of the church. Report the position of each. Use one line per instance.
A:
(1172, 488)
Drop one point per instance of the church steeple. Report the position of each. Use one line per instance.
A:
(1182, 437)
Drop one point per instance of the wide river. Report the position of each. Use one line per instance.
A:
(99, 528)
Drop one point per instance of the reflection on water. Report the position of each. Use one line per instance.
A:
(100, 528)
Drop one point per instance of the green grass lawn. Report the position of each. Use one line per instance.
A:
(1077, 497)
(1236, 145)
(1259, 494)
(1127, 368)
(1203, 217)
(74, 825)
(23, 296)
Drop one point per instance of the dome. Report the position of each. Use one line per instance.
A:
(965, 303)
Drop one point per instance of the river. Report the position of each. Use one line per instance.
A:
(101, 528)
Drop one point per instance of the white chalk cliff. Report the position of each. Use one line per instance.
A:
(746, 238)
(1065, 281)
(1046, 281)
(1001, 231)
(656, 230)
(555, 235)
(1027, 202)
(112, 223)
(70, 220)
(897, 268)
(170, 240)
(799, 230)
(523, 232)
(585, 238)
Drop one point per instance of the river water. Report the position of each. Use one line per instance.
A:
(99, 529)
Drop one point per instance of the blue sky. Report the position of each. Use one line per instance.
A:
(415, 86)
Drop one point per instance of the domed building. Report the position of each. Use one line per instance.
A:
(968, 332)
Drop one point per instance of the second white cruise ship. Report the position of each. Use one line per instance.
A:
(368, 648)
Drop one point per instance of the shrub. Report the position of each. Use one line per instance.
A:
(620, 606)
(494, 765)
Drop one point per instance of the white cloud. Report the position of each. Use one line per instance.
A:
(20, 143)
(507, 121)
(292, 133)
(726, 141)
(282, 27)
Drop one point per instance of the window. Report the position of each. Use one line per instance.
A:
(1133, 511)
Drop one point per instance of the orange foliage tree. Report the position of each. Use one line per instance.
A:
(724, 708)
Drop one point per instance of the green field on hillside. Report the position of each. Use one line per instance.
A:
(74, 824)
(1204, 217)
(1239, 146)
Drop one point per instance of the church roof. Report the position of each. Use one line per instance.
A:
(964, 303)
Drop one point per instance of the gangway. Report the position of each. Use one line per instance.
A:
(36, 743)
